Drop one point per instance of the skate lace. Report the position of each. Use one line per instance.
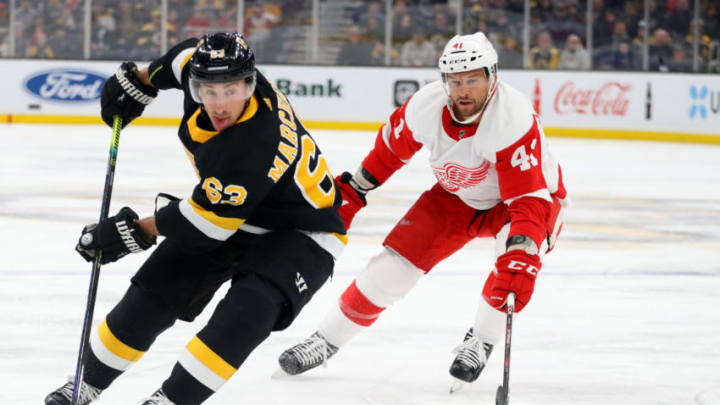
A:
(157, 398)
(469, 353)
(87, 392)
(312, 351)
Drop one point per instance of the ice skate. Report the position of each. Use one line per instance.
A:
(63, 395)
(472, 354)
(309, 354)
(157, 398)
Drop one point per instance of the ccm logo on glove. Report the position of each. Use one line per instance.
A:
(516, 265)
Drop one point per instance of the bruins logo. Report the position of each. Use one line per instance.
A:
(241, 42)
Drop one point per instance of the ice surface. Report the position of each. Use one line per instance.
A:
(625, 309)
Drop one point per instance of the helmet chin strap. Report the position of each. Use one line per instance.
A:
(472, 118)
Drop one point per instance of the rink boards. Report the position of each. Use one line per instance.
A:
(630, 105)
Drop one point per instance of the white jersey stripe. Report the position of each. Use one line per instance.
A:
(106, 356)
(177, 63)
(198, 370)
(203, 225)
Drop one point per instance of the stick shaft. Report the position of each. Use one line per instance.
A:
(95, 274)
(508, 345)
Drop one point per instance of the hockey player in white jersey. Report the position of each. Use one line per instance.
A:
(496, 178)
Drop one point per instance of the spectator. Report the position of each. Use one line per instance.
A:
(148, 39)
(375, 27)
(574, 56)
(418, 51)
(711, 20)
(53, 10)
(127, 30)
(620, 34)
(603, 29)
(499, 22)
(660, 52)
(677, 20)
(509, 54)
(544, 55)
(561, 24)
(376, 13)
(258, 25)
(704, 43)
(377, 56)
(442, 28)
(63, 47)
(198, 24)
(680, 61)
(632, 15)
(623, 57)
(544, 10)
(39, 48)
(404, 30)
(357, 51)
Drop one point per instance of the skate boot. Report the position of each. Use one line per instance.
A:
(158, 398)
(471, 357)
(306, 355)
(63, 395)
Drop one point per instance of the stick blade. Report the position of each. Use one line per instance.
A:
(456, 385)
(500, 396)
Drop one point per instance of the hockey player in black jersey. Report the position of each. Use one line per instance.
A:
(262, 215)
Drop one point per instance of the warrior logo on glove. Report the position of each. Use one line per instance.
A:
(115, 236)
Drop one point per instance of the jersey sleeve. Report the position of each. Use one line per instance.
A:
(394, 146)
(230, 188)
(523, 185)
(166, 71)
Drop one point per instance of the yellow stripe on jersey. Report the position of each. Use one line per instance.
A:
(186, 59)
(117, 347)
(192, 161)
(200, 135)
(230, 224)
(343, 238)
(268, 102)
(210, 359)
(250, 110)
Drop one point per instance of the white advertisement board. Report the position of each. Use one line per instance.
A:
(620, 103)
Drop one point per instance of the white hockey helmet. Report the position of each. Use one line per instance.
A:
(468, 52)
(464, 53)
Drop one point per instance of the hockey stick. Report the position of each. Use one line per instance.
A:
(92, 293)
(503, 391)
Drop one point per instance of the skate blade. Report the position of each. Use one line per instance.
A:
(456, 385)
(279, 374)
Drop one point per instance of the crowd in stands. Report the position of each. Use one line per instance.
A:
(558, 34)
(420, 28)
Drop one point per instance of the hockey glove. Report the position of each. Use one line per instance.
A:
(116, 236)
(124, 95)
(353, 198)
(515, 271)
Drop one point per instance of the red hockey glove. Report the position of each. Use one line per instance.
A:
(516, 272)
(353, 200)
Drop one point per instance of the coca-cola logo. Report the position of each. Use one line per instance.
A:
(66, 85)
(609, 99)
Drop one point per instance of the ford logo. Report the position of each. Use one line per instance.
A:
(66, 85)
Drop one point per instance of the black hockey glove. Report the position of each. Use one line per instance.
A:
(124, 95)
(116, 236)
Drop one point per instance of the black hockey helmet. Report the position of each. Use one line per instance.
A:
(219, 58)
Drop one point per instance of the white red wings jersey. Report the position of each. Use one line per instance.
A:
(504, 157)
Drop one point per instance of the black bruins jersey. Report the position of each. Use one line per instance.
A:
(263, 173)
